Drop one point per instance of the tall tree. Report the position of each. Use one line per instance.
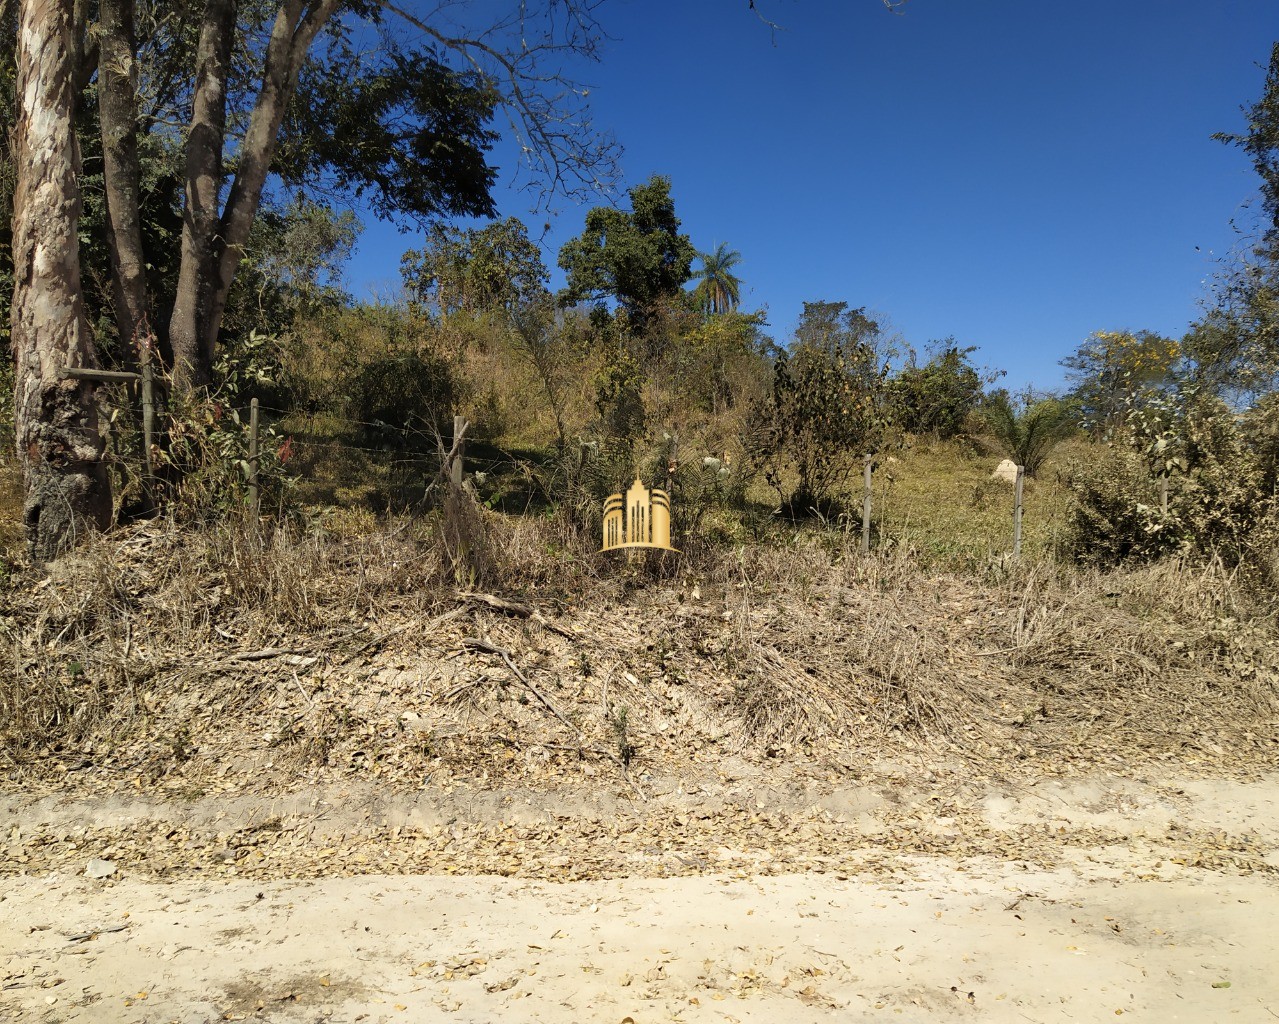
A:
(1236, 345)
(637, 257)
(122, 175)
(719, 290)
(231, 93)
(190, 104)
(1114, 373)
(475, 270)
(59, 446)
(828, 326)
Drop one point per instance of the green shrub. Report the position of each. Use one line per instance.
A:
(619, 399)
(404, 400)
(938, 397)
(828, 408)
(1218, 500)
(204, 460)
(1116, 517)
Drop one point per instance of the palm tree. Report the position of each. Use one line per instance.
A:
(1030, 428)
(719, 289)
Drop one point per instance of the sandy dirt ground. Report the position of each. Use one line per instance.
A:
(1086, 900)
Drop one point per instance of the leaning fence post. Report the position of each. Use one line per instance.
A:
(254, 500)
(1017, 489)
(867, 468)
(1163, 494)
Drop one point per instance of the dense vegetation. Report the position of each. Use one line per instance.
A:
(1147, 572)
(643, 362)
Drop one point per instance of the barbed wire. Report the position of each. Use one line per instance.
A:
(392, 456)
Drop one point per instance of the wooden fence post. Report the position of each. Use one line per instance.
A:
(867, 469)
(1163, 494)
(1017, 511)
(459, 449)
(254, 497)
(148, 421)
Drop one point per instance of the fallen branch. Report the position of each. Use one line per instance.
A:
(491, 648)
(295, 657)
(106, 930)
(523, 611)
(382, 638)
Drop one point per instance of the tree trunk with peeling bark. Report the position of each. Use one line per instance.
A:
(59, 446)
(212, 241)
(117, 110)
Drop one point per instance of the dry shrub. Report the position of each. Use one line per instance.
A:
(1175, 652)
(156, 647)
(845, 645)
(157, 609)
(464, 538)
(554, 561)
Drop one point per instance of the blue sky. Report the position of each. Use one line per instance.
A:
(1016, 173)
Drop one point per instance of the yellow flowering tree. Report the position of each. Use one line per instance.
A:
(1114, 373)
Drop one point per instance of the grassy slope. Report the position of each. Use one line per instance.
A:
(939, 500)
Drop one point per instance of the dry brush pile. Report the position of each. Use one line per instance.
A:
(228, 658)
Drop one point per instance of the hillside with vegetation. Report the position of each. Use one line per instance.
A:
(1142, 589)
(357, 570)
(430, 470)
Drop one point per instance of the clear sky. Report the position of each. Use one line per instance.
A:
(1016, 173)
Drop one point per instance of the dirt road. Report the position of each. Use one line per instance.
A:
(1091, 900)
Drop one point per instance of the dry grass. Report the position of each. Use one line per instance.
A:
(128, 617)
(230, 654)
(938, 499)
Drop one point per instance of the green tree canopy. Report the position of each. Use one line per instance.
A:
(195, 117)
(476, 270)
(938, 397)
(830, 406)
(638, 258)
(1236, 345)
(1114, 373)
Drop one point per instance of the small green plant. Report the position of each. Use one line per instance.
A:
(203, 453)
(619, 723)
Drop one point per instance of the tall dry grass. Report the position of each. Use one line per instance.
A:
(153, 641)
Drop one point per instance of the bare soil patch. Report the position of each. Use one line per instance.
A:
(1079, 901)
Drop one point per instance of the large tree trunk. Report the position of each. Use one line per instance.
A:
(191, 364)
(291, 38)
(213, 244)
(117, 106)
(59, 447)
